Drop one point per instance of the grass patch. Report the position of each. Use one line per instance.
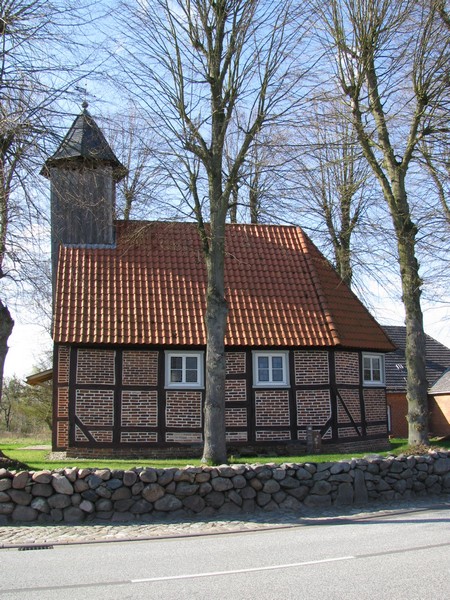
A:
(401, 446)
(6, 439)
(38, 459)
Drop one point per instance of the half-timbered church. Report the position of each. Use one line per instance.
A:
(303, 354)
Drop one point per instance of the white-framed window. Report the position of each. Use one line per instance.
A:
(270, 369)
(373, 369)
(184, 369)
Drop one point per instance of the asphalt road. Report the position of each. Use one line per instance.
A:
(405, 555)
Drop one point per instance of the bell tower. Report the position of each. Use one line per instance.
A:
(83, 174)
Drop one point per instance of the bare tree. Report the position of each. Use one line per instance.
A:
(26, 409)
(443, 10)
(195, 64)
(334, 188)
(391, 59)
(37, 69)
(267, 177)
(139, 191)
(260, 191)
(437, 164)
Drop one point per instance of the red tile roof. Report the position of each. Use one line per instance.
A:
(150, 289)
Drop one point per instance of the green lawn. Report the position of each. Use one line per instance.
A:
(38, 459)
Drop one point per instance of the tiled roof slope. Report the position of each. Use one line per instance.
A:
(150, 289)
(437, 359)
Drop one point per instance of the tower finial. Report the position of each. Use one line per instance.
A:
(84, 104)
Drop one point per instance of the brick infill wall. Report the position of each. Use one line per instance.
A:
(74, 495)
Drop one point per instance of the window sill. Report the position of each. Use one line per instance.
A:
(184, 387)
(271, 386)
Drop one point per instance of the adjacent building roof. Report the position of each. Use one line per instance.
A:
(437, 359)
(85, 142)
(442, 385)
(150, 289)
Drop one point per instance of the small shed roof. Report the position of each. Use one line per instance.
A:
(40, 378)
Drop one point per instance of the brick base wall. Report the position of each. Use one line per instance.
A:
(234, 448)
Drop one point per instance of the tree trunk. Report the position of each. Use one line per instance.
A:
(416, 386)
(6, 327)
(254, 196)
(214, 451)
(234, 203)
(343, 262)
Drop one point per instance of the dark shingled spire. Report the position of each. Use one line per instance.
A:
(84, 142)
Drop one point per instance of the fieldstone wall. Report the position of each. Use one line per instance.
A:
(73, 495)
